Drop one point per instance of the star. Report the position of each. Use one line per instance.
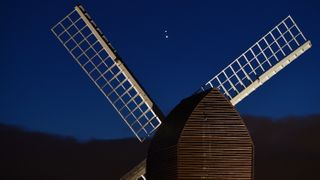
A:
(166, 34)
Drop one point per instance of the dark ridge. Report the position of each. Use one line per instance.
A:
(287, 148)
(28, 155)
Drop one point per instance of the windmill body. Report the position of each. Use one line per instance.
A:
(204, 136)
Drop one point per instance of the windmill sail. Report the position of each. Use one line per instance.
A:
(89, 47)
(275, 50)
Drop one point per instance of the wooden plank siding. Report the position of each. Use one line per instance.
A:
(204, 137)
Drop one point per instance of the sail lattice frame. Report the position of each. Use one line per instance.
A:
(275, 50)
(92, 51)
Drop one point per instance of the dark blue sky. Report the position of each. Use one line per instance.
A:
(43, 89)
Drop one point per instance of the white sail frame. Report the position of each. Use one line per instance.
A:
(89, 47)
(275, 50)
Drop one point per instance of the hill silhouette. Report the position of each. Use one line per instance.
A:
(288, 148)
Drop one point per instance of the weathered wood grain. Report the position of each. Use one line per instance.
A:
(204, 137)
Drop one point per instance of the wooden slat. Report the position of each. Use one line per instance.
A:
(203, 137)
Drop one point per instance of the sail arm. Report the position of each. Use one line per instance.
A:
(98, 59)
(274, 51)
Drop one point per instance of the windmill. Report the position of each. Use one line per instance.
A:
(191, 128)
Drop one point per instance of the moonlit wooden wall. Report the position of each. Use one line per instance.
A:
(204, 137)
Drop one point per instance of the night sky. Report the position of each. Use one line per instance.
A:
(43, 89)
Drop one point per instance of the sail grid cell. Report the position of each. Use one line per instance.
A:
(89, 47)
(278, 48)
